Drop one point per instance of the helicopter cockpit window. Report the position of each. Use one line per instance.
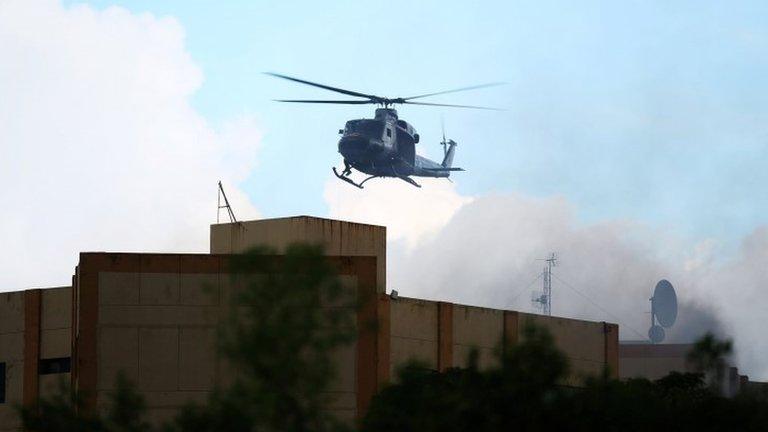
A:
(370, 128)
(351, 126)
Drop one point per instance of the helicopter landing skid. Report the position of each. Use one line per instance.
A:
(345, 178)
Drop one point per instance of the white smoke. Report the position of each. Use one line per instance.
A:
(100, 148)
(485, 253)
(409, 214)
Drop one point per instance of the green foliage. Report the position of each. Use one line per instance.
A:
(526, 392)
(63, 411)
(126, 408)
(709, 356)
(521, 394)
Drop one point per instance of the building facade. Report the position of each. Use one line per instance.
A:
(654, 361)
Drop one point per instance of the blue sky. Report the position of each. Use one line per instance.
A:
(651, 111)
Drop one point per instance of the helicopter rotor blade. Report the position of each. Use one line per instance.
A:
(475, 87)
(454, 106)
(442, 126)
(326, 87)
(345, 102)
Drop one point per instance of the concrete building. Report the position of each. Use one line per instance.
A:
(35, 346)
(339, 238)
(153, 317)
(654, 361)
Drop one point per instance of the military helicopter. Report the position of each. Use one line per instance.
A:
(384, 146)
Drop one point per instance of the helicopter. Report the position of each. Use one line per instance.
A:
(385, 146)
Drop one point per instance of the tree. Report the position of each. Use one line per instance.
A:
(64, 411)
(709, 357)
(523, 393)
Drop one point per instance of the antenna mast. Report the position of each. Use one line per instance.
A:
(543, 299)
(226, 205)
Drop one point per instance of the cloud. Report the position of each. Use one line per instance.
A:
(483, 251)
(411, 214)
(100, 147)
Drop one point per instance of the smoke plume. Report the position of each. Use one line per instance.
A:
(488, 253)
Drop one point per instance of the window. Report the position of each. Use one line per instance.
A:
(371, 128)
(352, 125)
(389, 132)
(54, 366)
(2, 382)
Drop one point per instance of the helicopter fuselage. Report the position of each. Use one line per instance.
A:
(385, 147)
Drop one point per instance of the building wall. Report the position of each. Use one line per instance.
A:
(35, 326)
(441, 335)
(589, 346)
(652, 361)
(153, 317)
(55, 335)
(477, 328)
(340, 238)
(413, 333)
(12, 354)
(157, 328)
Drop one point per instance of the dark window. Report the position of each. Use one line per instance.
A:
(2, 383)
(371, 128)
(389, 132)
(352, 125)
(54, 366)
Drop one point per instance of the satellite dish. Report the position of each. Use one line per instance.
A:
(664, 303)
(656, 334)
(663, 310)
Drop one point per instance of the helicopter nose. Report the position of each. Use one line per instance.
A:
(353, 147)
